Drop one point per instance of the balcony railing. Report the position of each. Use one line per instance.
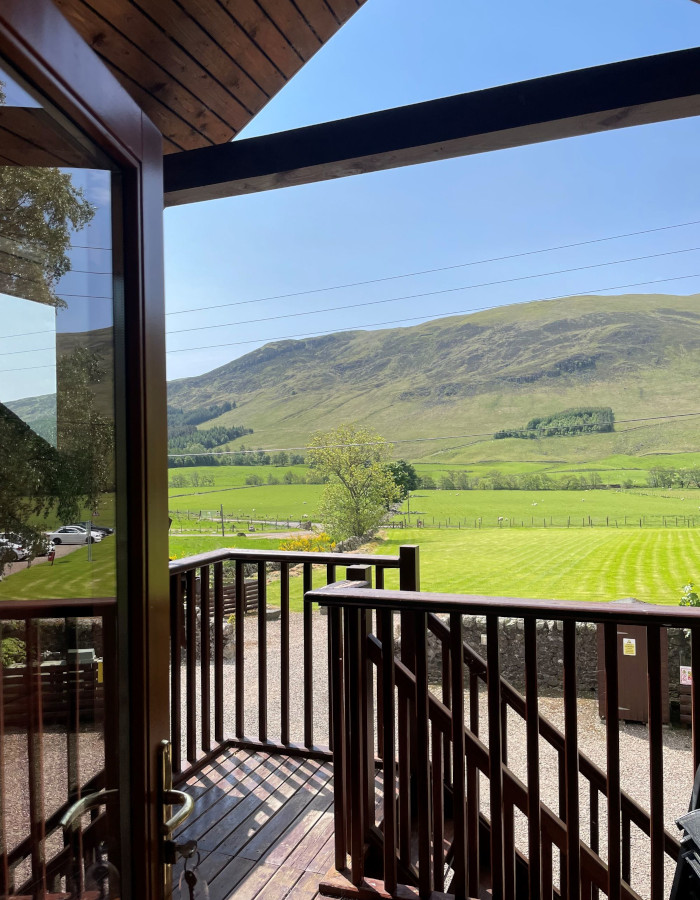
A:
(52, 735)
(432, 823)
(215, 706)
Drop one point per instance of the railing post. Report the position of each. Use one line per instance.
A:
(340, 795)
(409, 580)
(365, 698)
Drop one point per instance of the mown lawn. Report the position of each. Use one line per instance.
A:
(70, 576)
(651, 564)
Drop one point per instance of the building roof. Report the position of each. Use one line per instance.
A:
(201, 69)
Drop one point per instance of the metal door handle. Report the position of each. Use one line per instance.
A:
(176, 798)
(71, 817)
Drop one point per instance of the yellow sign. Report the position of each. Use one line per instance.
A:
(99, 672)
(629, 647)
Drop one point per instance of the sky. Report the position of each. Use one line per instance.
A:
(234, 253)
(340, 255)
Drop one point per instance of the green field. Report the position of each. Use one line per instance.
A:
(542, 508)
(283, 501)
(598, 564)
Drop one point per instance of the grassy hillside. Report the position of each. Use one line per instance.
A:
(478, 373)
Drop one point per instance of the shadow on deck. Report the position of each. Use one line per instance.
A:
(264, 826)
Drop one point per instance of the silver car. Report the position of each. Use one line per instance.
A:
(73, 534)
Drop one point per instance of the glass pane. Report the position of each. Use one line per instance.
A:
(56, 361)
(57, 505)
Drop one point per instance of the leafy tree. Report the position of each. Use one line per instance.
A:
(360, 486)
(36, 478)
(85, 426)
(39, 210)
(280, 459)
(404, 475)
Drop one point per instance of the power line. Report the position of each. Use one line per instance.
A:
(433, 316)
(394, 299)
(476, 262)
(393, 321)
(444, 437)
(466, 287)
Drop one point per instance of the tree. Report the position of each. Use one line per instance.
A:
(39, 211)
(360, 486)
(405, 476)
(85, 426)
(36, 478)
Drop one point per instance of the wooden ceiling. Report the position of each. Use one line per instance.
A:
(201, 69)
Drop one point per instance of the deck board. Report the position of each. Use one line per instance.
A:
(264, 825)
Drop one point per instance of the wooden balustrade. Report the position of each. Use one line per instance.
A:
(212, 699)
(66, 696)
(435, 833)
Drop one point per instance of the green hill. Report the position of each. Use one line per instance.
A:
(484, 372)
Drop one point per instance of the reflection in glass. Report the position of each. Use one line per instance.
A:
(56, 359)
(57, 506)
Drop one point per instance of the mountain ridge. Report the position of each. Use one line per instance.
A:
(475, 374)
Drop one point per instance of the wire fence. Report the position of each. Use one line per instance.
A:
(418, 520)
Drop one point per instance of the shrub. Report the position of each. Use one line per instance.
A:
(314, 543)
(13, 651)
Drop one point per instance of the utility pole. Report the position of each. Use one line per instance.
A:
(222, 521)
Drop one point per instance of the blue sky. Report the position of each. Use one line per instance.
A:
(227, 253)
(395, 52)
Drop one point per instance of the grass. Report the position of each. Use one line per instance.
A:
(597, 564)
(532, 507)
(189, 545)
(69, 577)
(280, 501)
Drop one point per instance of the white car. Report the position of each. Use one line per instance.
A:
(12, 552)
(73, 534)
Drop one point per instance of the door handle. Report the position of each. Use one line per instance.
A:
(186, 804)
(168, 797)
(72, 816)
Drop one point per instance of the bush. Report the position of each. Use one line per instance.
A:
(314, 543)
(13, 651)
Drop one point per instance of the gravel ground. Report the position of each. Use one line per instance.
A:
(634, 757)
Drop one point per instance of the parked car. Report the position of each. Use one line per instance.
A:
(36, 544)
(11, 552)
(73, 534)
(102, 529)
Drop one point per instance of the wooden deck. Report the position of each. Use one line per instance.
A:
(264, 826)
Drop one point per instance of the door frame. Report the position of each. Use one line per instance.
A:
(44, 49)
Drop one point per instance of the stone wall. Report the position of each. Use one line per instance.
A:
(550, 654)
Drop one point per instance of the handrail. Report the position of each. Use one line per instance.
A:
(11, 610)
(348, 594)
(556, 739)
(288, 556)
(441, 716)
(426, 756)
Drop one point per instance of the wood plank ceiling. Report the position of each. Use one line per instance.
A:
(201, 69)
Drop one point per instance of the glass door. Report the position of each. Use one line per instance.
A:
(83, 530)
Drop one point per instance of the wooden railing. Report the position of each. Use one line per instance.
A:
(432, 829)
(46, 707)
(217, 702)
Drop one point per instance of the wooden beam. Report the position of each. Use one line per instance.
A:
(618, 95)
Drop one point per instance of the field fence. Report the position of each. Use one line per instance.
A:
(420, 520)
(212, 520)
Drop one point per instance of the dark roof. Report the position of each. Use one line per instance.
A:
(201, 69)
